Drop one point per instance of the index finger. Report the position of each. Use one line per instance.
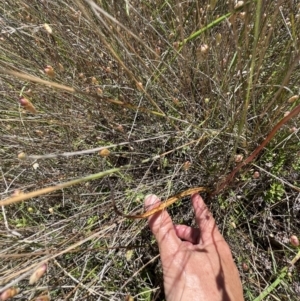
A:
(162, 226)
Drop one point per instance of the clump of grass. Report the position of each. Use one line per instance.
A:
(161, 96)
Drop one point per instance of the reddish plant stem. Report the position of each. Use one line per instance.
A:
(230, 177)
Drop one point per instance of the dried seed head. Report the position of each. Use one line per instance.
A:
(94, 80)
(286, 113)
(99, 91)
(27, 105)
(293, 98)
(158, 50)
(239, 4)
(38, 273)
(242, 15)
(176, 101)
(29, 92)
(24, 101)
(49, 71)
(9, 293)
(176, 45)
(120, 128)
(129, 298)
(22, 156)
(245, 266)
(256, 175)
(293, 129)
(51, 210)
(294, 241)
(139, 85)
(61, 67)
(48, 28)
(204, 48)
(39, 133)
(238, 158)
(35, 166)
(104, 152)
(187, 165)
(171, 35)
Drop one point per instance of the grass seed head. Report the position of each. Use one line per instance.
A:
(256, 175)
(293, 98)
(245, 267)
(99, 92)
(204, 48)
(49, 71)
(104, 152)
(238, 158)
(9, 293)
(139, 86)
(187, 165)
(294, 241)
(239, 4)
(27, 105)
(61, 67)
(176, 45)
(22, 156)
(242, 15)
(48, 28)
(38, 273)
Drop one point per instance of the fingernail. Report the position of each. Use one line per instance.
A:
(150, 200)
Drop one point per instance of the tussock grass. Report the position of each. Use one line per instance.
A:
(175, 91)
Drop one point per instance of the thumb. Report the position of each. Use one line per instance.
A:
(161, 225)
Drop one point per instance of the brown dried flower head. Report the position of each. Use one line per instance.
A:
(49, 71)
(27, 105)
(9, 293)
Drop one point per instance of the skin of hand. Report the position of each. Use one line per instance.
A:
(197, 262)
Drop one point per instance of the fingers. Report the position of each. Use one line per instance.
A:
(161, 225)
(204, 219)
(189, 234)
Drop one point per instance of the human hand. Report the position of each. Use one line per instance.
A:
(197, 262)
